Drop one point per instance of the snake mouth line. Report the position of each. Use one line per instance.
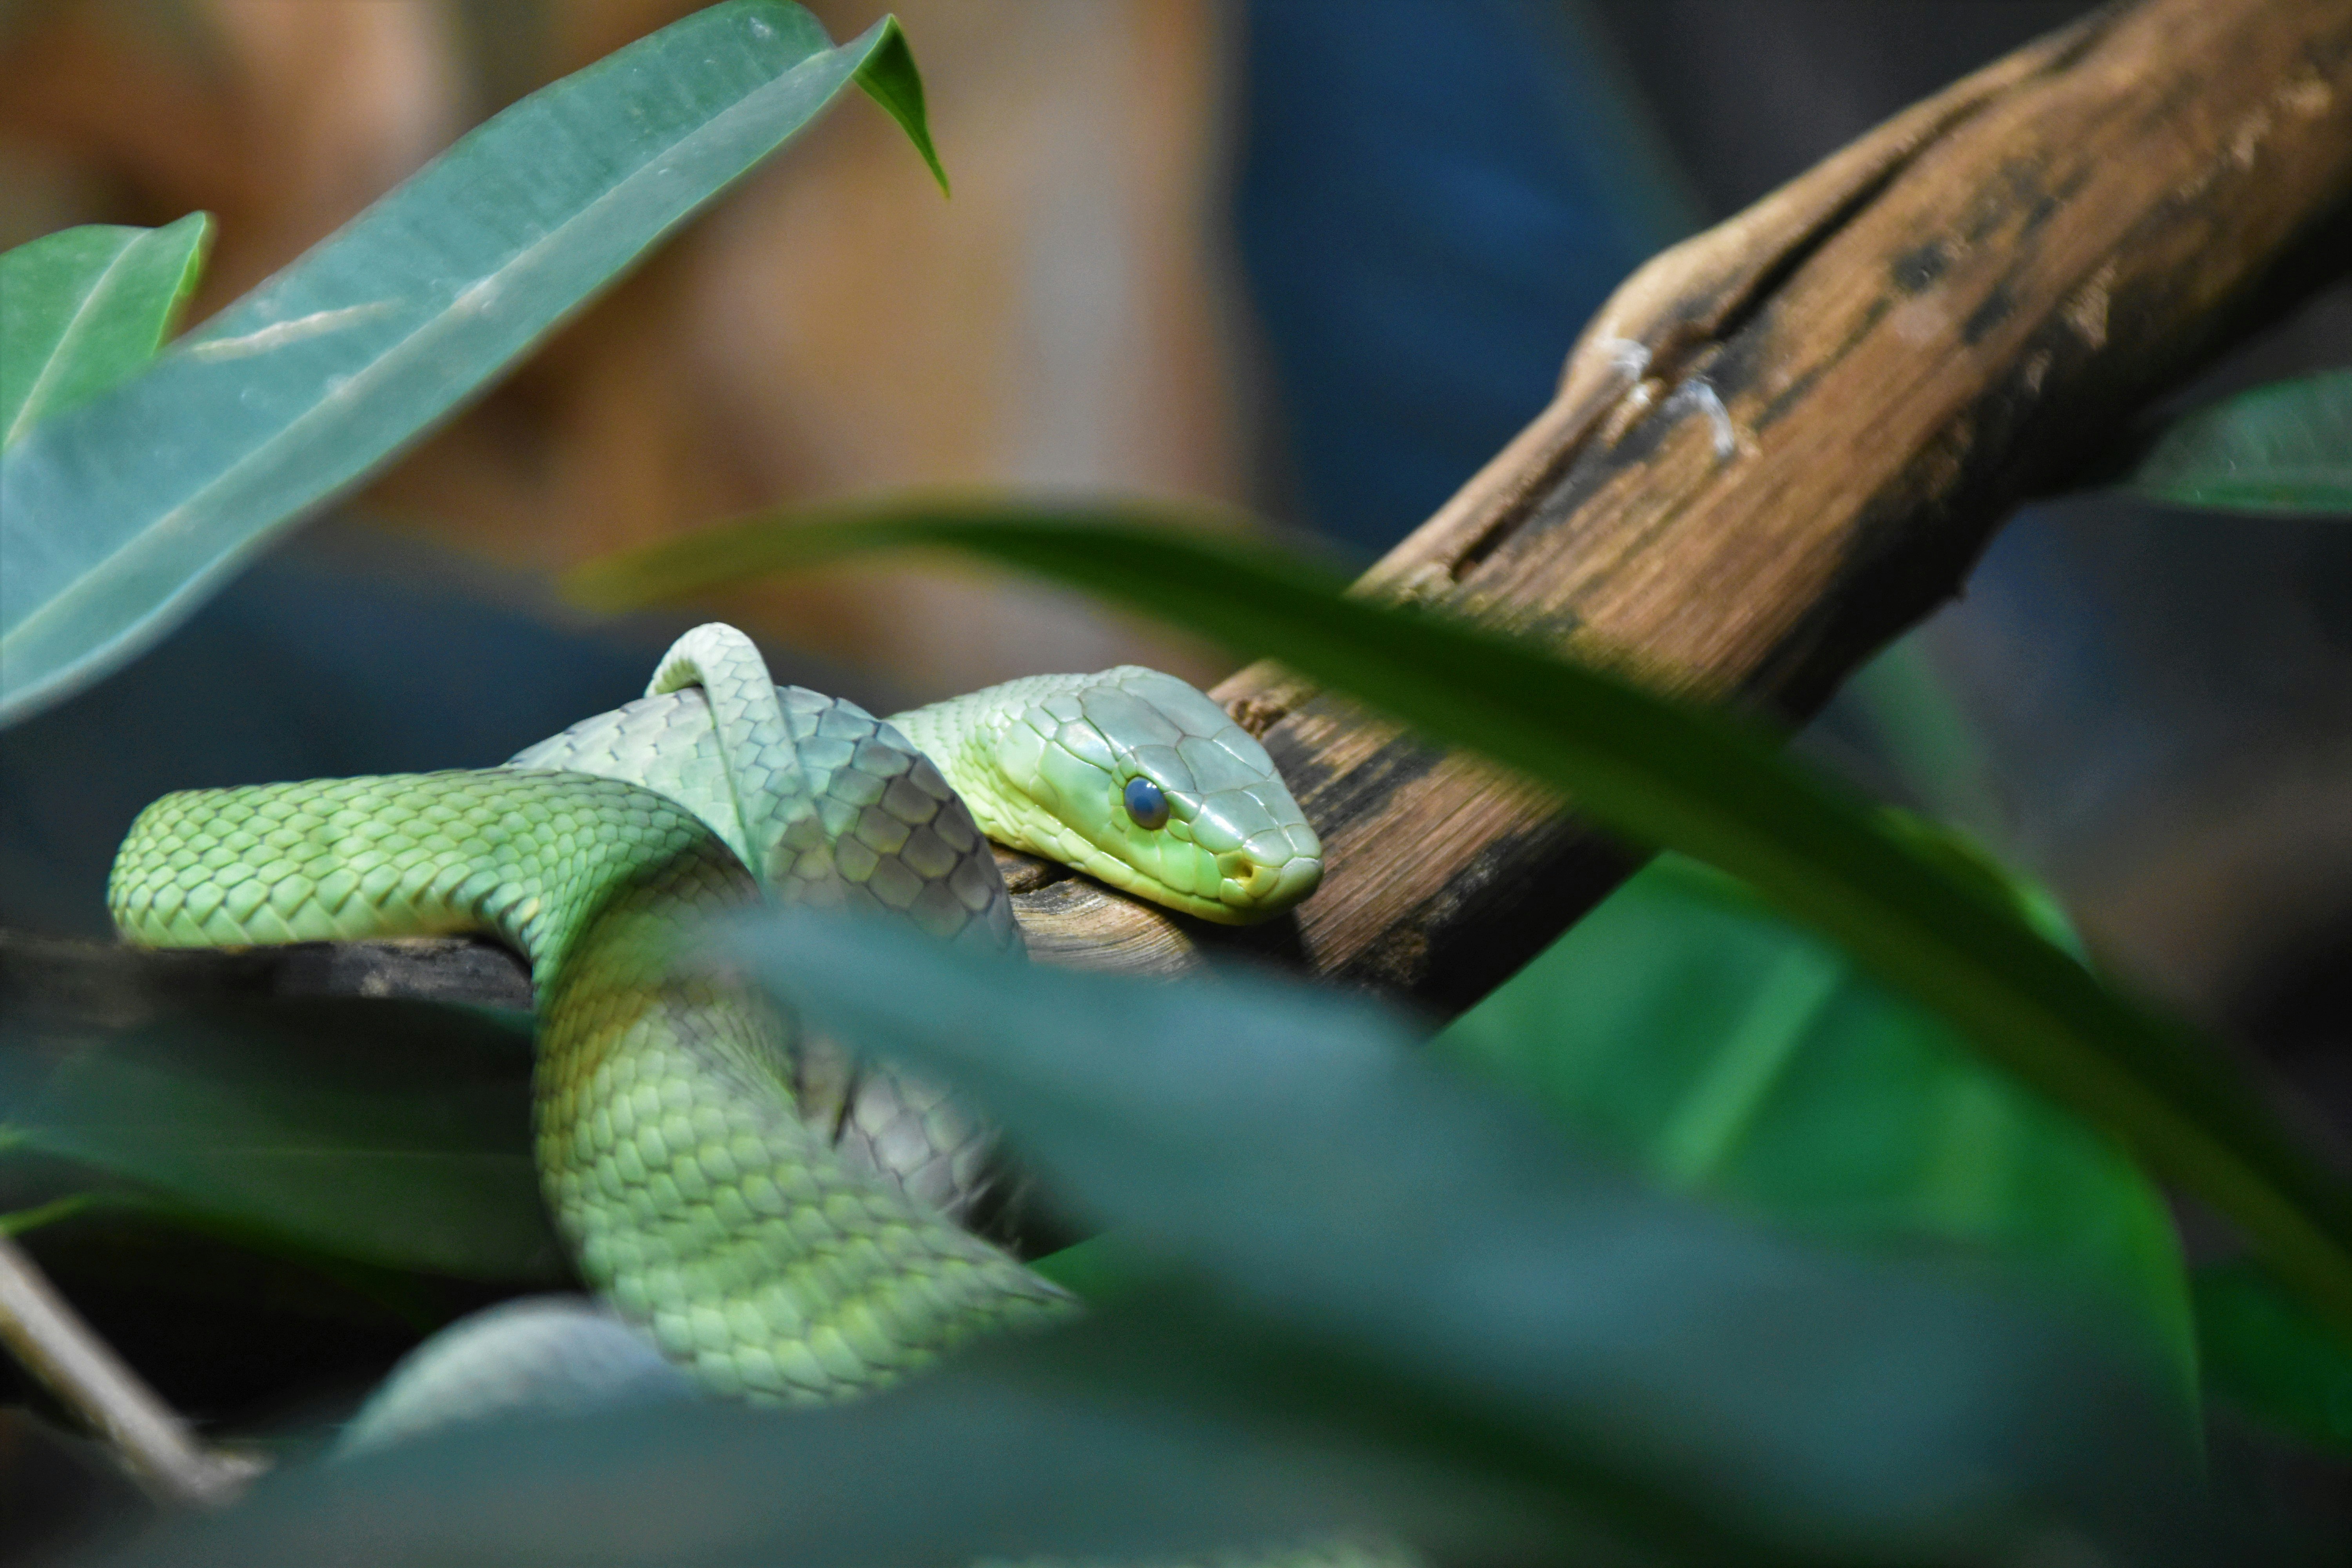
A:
(1027, 873)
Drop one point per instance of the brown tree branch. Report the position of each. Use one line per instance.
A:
(1785, 440)
(150, 1443)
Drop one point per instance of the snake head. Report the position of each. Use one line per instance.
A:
(1141, 780)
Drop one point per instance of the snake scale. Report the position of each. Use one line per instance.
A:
(779, 1220)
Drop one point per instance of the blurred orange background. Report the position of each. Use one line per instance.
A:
(831, 327)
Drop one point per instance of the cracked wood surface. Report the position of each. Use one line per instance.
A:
(1786, 439)
(1779, 444)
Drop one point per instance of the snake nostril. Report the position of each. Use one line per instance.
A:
(1258, 879)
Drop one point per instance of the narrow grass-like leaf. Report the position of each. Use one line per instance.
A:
(1663, 773)
(85, 308)
(393, 1134)
(1671, 1370)
(2282, 449)
(118, 516)
(17, 1222)
(1724, 1051)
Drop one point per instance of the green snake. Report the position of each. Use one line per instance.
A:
(780, 1220)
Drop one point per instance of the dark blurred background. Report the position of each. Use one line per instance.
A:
(1316, 257)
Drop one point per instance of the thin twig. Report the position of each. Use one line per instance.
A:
(150, 1442)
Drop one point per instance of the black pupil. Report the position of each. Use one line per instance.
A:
(1146, 804)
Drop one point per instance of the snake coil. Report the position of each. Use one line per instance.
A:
(781, 1226)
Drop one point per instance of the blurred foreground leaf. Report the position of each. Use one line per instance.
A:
(18, 1221)
(2286, 448)
(389, 1133)
(1725, 1052)
(1665, 773)
(85, 308)
(117, 517)
(2269, 1354)
(1006, 1460)
(1387, 1302)
(1680, 1377)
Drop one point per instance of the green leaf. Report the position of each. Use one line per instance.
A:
(1725, 1052)
(1915, 722)
(890, 79)
(393, 1134)
(1663, 773)
(1672, 1373)
(1096, 1269)
(120, 516)
(85, 308)
(17, 1222)
(1005, 1462)
(2285, 447)
(2270, 1355)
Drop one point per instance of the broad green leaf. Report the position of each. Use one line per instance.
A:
(1415, 1312)
(1013, 1460)
(1666, 774)
(2285, 447)
(120, 516)
(84, 309)
(1656, 1361)
(1725, 1052)
(2267, 1353)
(393, 1134)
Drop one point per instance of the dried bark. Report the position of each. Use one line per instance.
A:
(1785, 440)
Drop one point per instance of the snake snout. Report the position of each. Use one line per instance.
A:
(1291, 881)
(1269, 887)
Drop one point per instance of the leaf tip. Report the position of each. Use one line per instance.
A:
(196, 230)
(889, 78)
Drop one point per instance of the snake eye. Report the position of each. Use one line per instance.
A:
(1146, 804)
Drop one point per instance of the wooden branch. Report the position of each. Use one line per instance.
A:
(150, 1443)
(1781, 443)
(1785, 440)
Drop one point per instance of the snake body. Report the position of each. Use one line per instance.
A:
(781, 1225)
